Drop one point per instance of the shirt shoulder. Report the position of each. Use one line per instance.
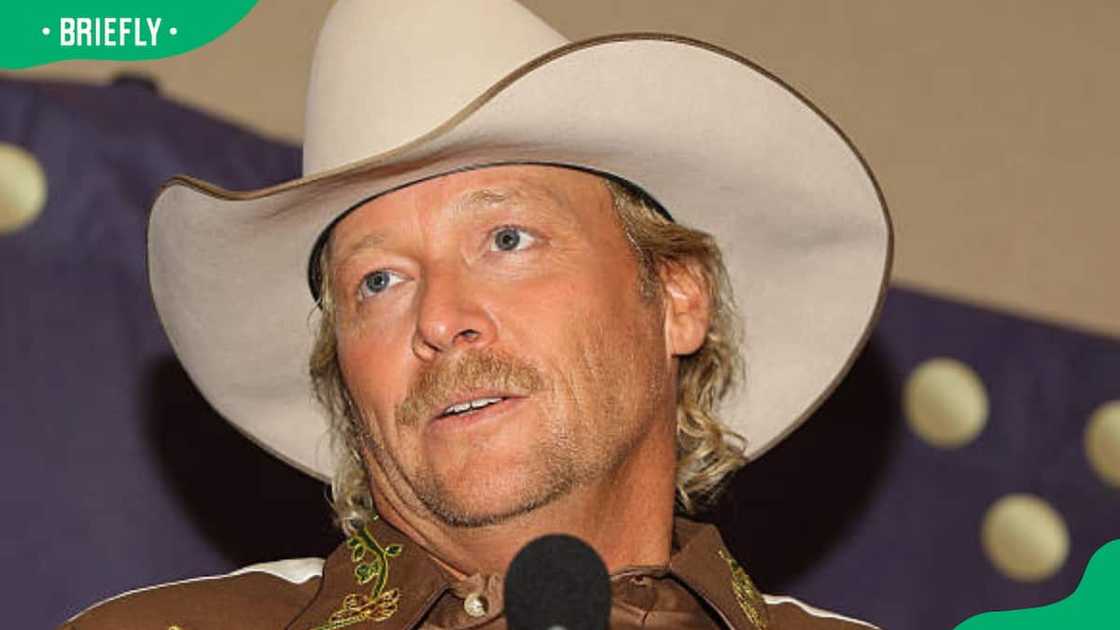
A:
(265, 595)
(787, 613)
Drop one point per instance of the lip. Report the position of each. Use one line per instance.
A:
(461, 421)
(468, 396)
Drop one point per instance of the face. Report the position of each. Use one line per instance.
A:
(495, 341)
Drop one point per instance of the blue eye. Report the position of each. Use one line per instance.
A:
(509, 238)
(376, 282)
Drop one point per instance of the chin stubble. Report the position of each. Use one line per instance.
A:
(558, 465)
(554, 472)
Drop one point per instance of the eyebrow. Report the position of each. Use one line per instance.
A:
(475, 200)
(487, 197)
(369, 241)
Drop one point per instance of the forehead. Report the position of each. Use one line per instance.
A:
(562, 192)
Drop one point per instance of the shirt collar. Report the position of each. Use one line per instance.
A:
(706, 566)
(381, 575)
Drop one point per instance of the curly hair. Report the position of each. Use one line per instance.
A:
(708, 451)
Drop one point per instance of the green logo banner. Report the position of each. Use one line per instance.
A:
(37, 32)
(1094, 604)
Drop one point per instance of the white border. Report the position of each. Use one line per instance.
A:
(295, 571)
(774, 600)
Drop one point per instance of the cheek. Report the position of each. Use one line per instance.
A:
(598, 329)
(373, 371)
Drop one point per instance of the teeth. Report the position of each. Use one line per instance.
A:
(477, 403)
(482, 402)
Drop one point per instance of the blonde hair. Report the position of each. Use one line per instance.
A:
(708, 451)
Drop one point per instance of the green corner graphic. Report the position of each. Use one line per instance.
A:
(37, 32)
(1093, 605)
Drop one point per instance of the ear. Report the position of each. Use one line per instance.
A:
(687, 304)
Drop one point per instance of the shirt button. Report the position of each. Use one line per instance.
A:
(475, 605)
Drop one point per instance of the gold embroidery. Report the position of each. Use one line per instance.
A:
(372, 565)
(745, 593)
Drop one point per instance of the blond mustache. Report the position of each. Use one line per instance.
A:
(480, 369)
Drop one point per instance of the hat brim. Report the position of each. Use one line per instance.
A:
(725, 146)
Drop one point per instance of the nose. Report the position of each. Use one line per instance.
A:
(451, 315)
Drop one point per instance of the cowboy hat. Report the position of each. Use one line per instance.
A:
(405, 90)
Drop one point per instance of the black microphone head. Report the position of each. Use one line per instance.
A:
(557, 581)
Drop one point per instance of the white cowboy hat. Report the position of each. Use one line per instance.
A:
(403, 90)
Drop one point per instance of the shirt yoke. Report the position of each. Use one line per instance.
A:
(788, 613)
(265, 595)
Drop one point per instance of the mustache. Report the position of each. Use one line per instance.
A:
(477, 369)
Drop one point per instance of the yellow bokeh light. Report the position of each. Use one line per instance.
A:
(1025, 538)
(945, 403)
(23, 188)
(1102, 442)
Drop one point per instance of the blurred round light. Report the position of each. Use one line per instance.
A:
(1102, 442)
(945, 403)
(1025, 538)
(23, 188)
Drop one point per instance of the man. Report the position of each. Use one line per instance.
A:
(516, 329)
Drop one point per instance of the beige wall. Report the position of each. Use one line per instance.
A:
(991, 125)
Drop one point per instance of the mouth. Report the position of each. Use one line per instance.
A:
(474, 406)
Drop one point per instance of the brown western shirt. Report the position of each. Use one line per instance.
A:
(380, 580)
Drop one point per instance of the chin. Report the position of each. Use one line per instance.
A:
(497, 495)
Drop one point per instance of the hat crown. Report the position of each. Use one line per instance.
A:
(386, 72)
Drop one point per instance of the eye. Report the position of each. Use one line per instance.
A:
(376, 282)
(509, 238)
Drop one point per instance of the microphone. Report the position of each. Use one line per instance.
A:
(557, 582)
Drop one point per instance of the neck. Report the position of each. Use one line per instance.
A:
(627, 517)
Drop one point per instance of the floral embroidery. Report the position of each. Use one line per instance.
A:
(745, 593)
(372, 566)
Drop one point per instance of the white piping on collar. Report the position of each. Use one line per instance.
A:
(296, 571)
(774, 600)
